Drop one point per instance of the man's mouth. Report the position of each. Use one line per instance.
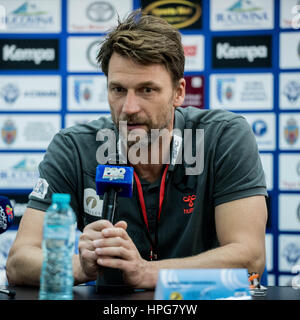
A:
(132, 126)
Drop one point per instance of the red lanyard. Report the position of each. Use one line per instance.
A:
(153, 254)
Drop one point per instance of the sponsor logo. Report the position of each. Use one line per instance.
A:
(10, 93)
(190, 201)
(292, 91)
(296, 16)
(29, 53)
(226, 51)
(238, 52)
(82, 90)
(22, 174)
(113, 173)
(9, 132)
(92, 52)
(40, 189)
(100, 11)
(92, 203)
(28, 15)
(179, 13)
(291, 131)
(194, 95)
(37, 55)
(259, 128)
(242, 13)
(225, 89)
(291, 253)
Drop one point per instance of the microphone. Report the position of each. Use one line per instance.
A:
(6, 214)
(113, 181)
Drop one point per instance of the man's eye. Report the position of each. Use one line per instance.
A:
(147, 90)
(118, 89)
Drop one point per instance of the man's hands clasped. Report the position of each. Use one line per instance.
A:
(103, 244)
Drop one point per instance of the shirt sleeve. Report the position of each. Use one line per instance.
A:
(238, 168)
(57, 174)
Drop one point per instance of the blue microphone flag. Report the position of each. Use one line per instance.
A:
(118, 177)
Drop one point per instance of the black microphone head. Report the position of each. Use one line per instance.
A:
(6, 214)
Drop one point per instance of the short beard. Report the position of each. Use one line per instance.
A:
(150, 135)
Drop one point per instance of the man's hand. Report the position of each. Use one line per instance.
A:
(88, 257)
(115, 249)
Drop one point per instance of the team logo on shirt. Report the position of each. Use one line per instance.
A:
(189, 200)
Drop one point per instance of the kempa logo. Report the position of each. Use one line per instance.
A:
(227, 51)
(37, 55)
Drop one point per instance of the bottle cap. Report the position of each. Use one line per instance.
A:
(61, 197)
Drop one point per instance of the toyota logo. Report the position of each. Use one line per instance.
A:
(100, 11)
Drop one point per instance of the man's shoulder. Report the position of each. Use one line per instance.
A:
(208, 116)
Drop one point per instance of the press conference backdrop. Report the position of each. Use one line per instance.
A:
(241, 55)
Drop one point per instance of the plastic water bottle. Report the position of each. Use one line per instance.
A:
(56, 281)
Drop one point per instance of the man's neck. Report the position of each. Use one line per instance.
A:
(149, 172)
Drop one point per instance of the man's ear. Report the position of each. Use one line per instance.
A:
(179, 93)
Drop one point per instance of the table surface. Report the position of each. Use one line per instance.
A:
(89, 293)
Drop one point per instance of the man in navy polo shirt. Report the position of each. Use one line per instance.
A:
(205, 213)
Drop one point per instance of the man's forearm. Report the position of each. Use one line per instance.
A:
(228, 256)
(24, 266)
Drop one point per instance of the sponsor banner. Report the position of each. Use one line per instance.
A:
(27, 131)
(194, 52)
(181, 14)
(96, 16)
(247, 91)
(241, 15)
(82, 53)
(289, 252)
(82, 118)
(269, 251)
(194, 92)
(289, 171)
(32, 16)
(267, 163)
(19, 170)
(242, 52)
(31, 93)
(29, 54)
(289, 87)
(289, 131)
(87, 93)
(289, 212)
(263, 126)
(289, 14)
(289, 50)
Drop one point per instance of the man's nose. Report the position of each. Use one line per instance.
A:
(131, 103)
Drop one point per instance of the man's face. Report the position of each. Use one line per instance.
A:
(142, 95)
